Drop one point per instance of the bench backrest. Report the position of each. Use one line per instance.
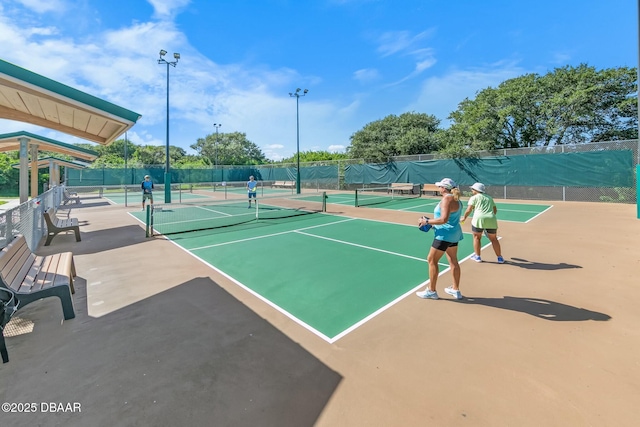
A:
(16, 260)
(50, 217)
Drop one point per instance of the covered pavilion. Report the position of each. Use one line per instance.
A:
(54, 164)
(25, 142)
(31, 98)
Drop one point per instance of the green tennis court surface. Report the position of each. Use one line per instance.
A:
(211, 214)
(328, 273)
(243, 190)
(158, 196)
(515, 212)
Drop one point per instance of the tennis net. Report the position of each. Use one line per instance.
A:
(200, 215)
(384, 194)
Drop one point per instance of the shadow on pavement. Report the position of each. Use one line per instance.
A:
(541, 308)
(532, 265)
(192, 356)
(96, 241)
(84, 204)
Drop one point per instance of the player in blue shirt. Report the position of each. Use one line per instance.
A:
(252, 187)
(447, 234)
(147, 190)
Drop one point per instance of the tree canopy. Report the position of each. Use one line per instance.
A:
(229, 149)
(409, 133)
(567, 105)
(315, 156)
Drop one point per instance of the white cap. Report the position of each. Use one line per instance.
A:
(478, 186)
(447, 183)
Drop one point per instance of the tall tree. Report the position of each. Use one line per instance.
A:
(407, 134)
(230, 149)
(150, 155)
(567, 105)
(114, 153)
(9, 176)
(315, 156)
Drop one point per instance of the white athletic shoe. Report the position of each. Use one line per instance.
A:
(428, 294)
(453, 292)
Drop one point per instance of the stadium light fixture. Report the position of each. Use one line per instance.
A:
(167, 174)
(297, 95)
(217, 126)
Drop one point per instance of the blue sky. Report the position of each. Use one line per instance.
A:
(360, 59)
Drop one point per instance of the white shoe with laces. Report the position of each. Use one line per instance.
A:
(428, 294)
(454, 293)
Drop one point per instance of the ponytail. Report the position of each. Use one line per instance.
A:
(456, 193)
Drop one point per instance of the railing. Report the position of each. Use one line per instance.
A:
(27, 218)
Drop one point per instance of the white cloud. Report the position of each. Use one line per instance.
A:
(561, 58)
(392, 42)
(403, 43)
(424, 65)
(440, 95)
(167, 8)
(336, 148)
(366, 75)
(43, 6)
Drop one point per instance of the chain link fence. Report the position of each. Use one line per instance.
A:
(536, 164)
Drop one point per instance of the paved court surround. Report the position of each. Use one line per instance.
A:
(533, 348)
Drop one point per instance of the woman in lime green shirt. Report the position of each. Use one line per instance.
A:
(484, 219)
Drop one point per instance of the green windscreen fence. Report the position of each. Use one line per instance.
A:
(318, 175)
(591, 169)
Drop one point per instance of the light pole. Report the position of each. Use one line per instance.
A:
(297, 95)
(217, 126)
(167, 175)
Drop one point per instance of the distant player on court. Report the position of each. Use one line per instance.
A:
(147, 190)
(252, 185)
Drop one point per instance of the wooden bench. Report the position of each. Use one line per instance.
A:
(32, 277)
(8, 306)
(57, 225)
(401, 186)
(69, 197)
(284, 184)
(428, 188)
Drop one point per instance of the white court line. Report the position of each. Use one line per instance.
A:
(397, 300)
(213, 210)
(517, 210)
(531, 219)
(382, 309)
(418, 206)
(260, 297)
(291, 316)
(349, 202)
(360, 246)
(269, 235)
(198, 219)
